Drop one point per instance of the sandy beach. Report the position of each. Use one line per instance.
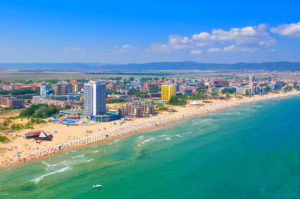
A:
(20, 150)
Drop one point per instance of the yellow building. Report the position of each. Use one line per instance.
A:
(167, 91)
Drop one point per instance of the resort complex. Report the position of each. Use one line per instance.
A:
(52, 116)
(149, 99)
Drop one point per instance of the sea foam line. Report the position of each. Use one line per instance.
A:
(38, 179)
(145, 141)
(78, 156)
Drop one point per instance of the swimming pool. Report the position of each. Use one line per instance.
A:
(159, 102)
(69, 121)
(66, 121)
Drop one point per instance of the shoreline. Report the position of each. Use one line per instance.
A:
(137, 126)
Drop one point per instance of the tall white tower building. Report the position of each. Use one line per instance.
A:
(251, 78)
(94, 98)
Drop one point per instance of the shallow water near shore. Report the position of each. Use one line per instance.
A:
(249, 151)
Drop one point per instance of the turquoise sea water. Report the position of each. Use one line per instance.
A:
(250, 151)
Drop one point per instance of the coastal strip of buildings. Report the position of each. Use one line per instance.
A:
(89, 99)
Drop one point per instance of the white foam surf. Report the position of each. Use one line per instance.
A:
(145, 141)
(40, 178)
(78, 156)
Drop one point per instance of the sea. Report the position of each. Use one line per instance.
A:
(246, 152)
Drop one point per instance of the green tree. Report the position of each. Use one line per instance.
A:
(201, 89)
(155, 89)
(198, 96)
(228, 90)
(214, 94)
(178, 100)
(6, 122)
(51, 81)
(19, 92)
(39, 111)
(144, 79)
(3, 138)
(111, 101)
(228, 95)
(288, 88)
(115, 92)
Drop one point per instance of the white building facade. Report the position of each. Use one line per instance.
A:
(94, 98)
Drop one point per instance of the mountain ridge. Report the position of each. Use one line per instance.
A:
(184, 65)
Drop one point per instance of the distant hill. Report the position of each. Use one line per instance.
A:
(189, 65)
(186, 65)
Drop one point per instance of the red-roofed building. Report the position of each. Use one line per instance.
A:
(150, 86)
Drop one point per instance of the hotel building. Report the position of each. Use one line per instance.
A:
(167, 91)
(94, 98)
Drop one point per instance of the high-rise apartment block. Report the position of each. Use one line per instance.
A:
(45, 89)
(62, 88)
(94, 98)
(252, 78)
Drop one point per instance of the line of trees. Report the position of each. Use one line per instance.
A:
(228, 91)
(39, 111)
(178, 100)
(19, 92)
(198, 96)
(111, 101)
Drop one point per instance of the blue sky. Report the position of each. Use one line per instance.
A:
(149, 31)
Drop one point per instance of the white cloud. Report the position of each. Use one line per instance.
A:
(201, 36)
(249, 35)
(178, 39)
(160, 47)
(70, 48)
(234, 48)
(292, 30)
(196, 52)
(178, 42)
(213, 50)
(124, 48)
(229, 48)
(245, 39)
